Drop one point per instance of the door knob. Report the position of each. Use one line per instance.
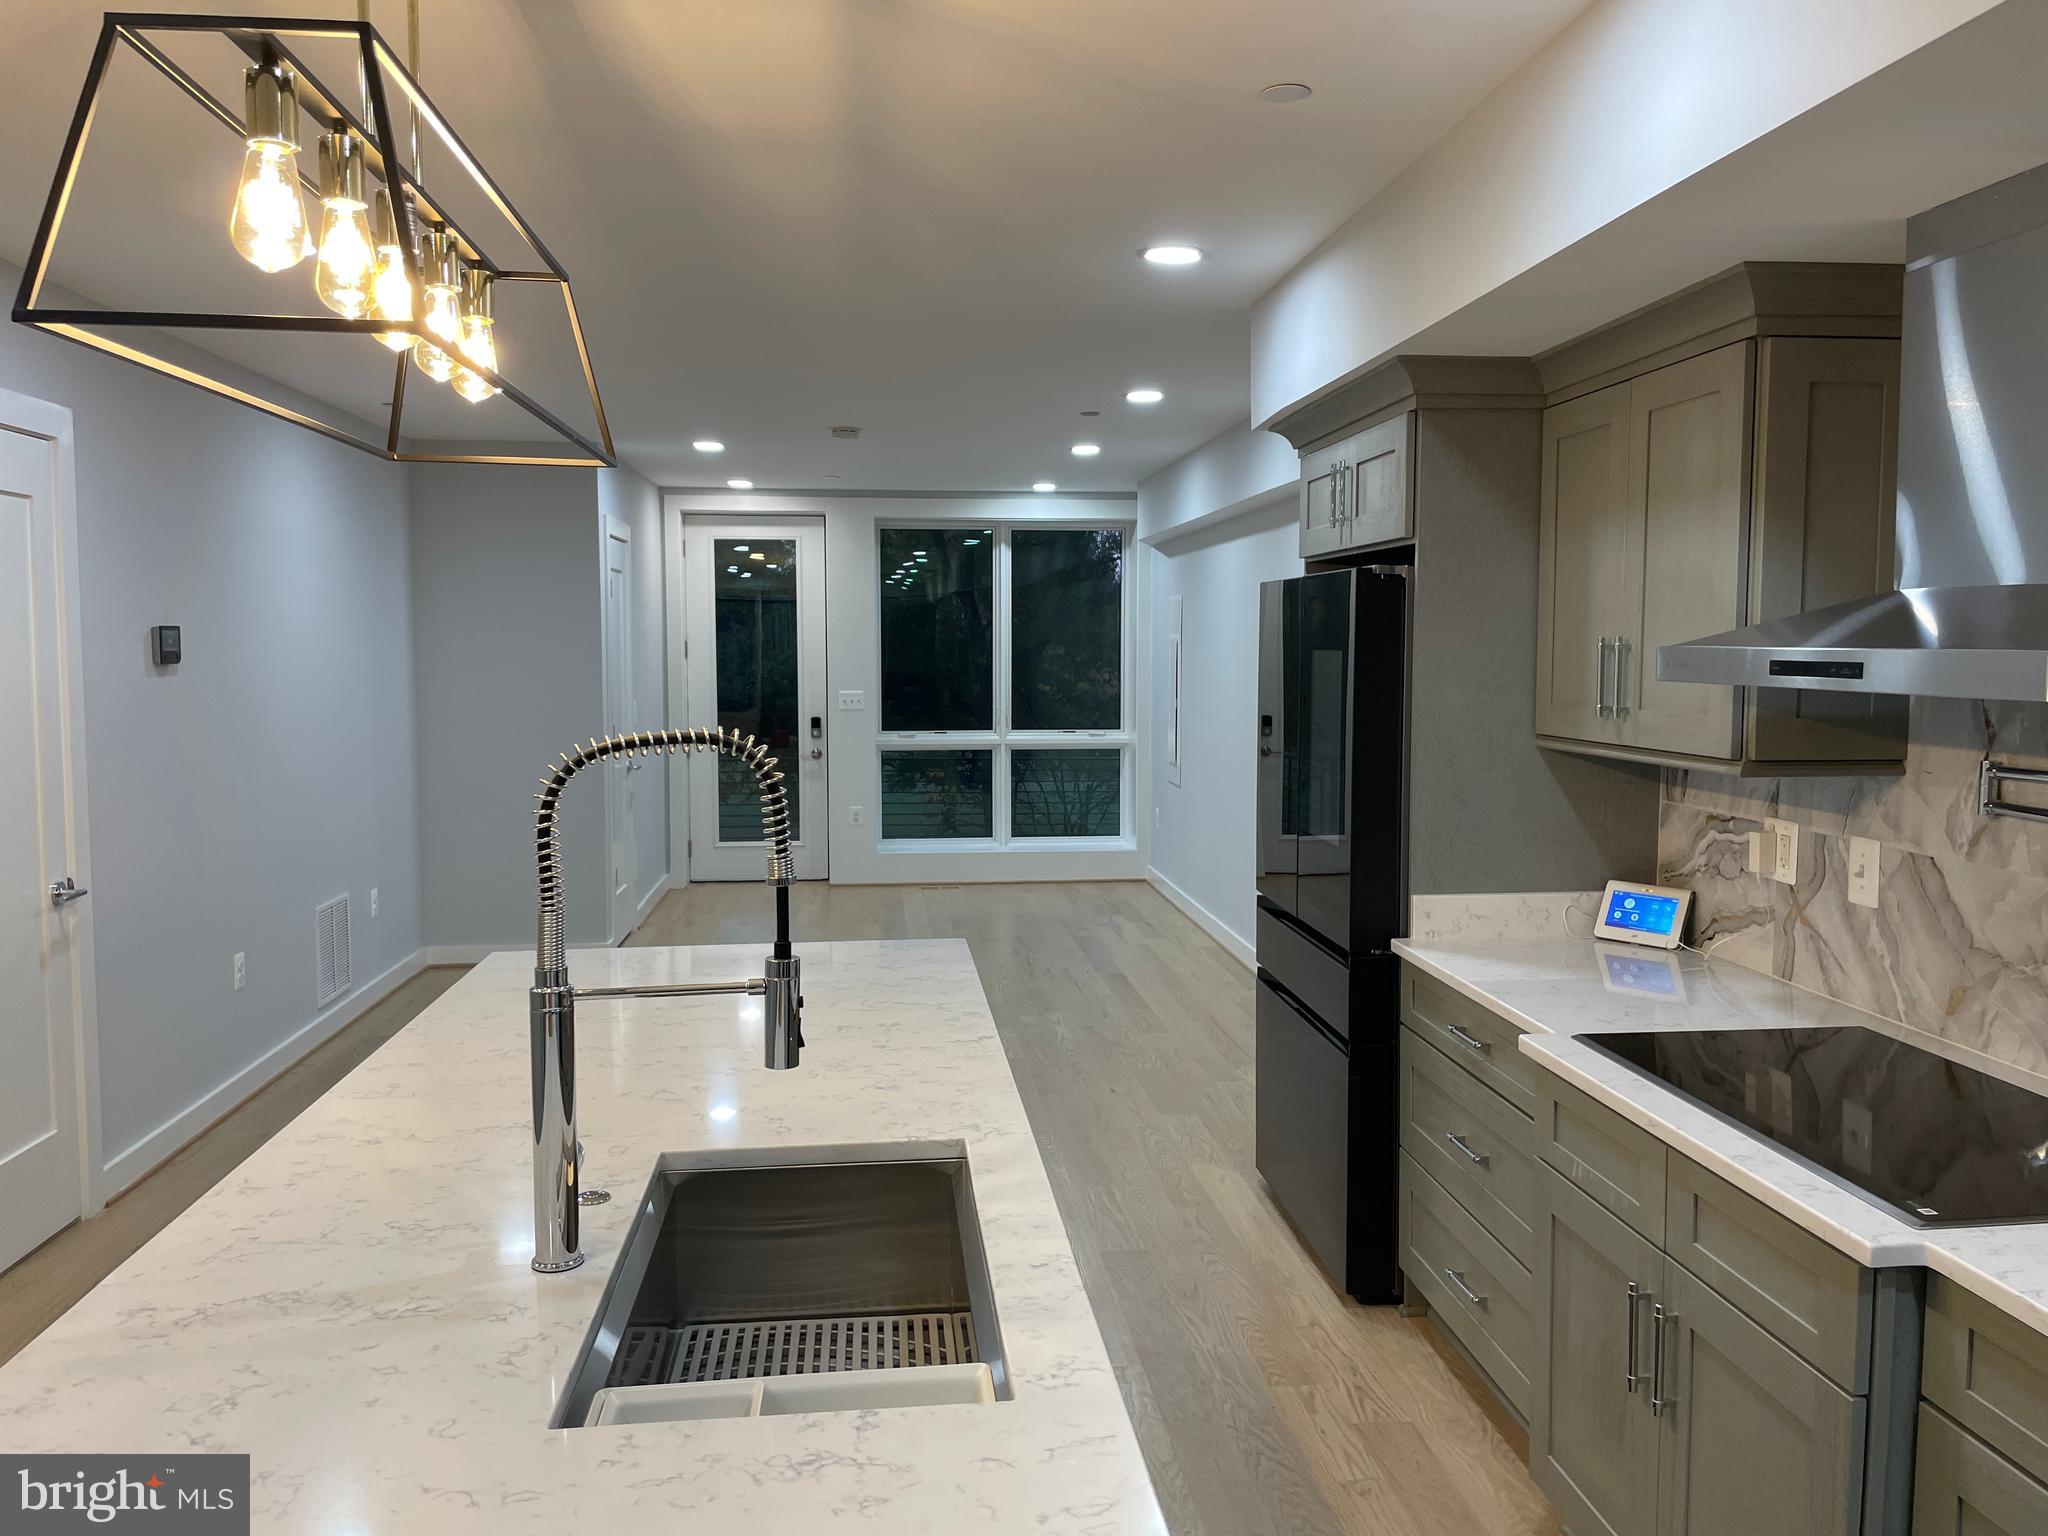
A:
(64, 892)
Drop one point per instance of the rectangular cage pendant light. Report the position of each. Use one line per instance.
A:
(400, 273)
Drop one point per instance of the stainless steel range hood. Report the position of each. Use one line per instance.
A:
(1971, 617)
(1945, 642)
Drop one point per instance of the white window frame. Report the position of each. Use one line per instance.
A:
(1001, 740)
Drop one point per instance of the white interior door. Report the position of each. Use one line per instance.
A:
(756, 617)
(43, 977)
(621, 713)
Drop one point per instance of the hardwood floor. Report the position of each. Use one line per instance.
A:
(1267, 1404)
(43, 1286)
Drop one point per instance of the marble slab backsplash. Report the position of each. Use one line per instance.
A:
(1958, 942)
(1502, 919)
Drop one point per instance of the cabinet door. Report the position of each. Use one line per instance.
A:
(1961, 1487)
(1584, 587)
(1822, 518)
(1689, 440)
(1377, 506)
(1592, 1438)
(1324, 482)
(1754, 1438)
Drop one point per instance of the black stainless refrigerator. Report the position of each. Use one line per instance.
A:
(1333, 675)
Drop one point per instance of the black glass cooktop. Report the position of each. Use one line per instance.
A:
(1941, 1144)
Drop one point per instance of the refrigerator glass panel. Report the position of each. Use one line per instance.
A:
(1320, 745)
(1277, 866)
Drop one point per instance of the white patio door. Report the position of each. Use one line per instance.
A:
(757, 665)
(44, 1052)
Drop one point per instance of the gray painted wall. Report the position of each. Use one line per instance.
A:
(271, 771)
(1204, 842)
(509, 637)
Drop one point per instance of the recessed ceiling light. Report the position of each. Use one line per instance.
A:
(1145, 396)
(708, 445)
(1086, 450)
(1042, 486)
(1286, 91)
(740, 485)
(1171, 255)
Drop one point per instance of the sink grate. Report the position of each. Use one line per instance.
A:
(792, 1347)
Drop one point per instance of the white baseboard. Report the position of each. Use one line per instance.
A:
(1204, 919)
(651, 901)
(125, 1167)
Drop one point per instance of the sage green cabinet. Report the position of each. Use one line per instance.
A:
(1658, 1409)
(1592, 1437)
(1743, 482)
(1961, 1487)
(1752, 1438)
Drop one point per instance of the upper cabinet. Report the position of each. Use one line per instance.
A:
(1724, 458)
(1357, 493)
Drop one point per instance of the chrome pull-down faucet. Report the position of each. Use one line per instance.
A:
(551, 1005)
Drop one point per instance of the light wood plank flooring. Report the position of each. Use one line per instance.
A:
(1267, 1404)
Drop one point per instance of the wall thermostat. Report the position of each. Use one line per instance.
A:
(166, 645)
(1643, 914)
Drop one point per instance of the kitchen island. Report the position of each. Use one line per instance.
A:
(353, 1306)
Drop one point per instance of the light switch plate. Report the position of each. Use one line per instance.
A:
(856, 815)
(1863, 861)
(853, 698)
(1781, 841)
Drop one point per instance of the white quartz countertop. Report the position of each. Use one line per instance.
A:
(1557, 988)
(353, 1307)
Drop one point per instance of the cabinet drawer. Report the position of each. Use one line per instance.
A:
(1479, 1291)
(1471, 1141)
(1477, 1039)
(1810, 1298)
(1987, 1371)
(1306, 969)
(1961, 1487)
(1619, 1164)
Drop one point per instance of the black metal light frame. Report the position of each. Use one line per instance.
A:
(264, 40)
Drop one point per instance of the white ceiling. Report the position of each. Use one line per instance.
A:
(918, 217)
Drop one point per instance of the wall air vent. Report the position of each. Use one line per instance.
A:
(330, 944)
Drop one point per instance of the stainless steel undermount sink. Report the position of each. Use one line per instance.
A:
(754, 1267)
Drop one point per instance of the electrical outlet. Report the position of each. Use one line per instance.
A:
(857, 815)
(373, 901)
(241, 970)
(1864, 853)
(1784, 851)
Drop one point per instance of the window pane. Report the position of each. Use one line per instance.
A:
(1067, 629)
(754, 586)
(1057, 793)
(938, 794)
(938, 629)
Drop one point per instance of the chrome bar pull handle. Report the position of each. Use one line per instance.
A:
(1472, 1297)
(1477, 1159)
(1992, 802)
(1631, 1378)
(1622, 646)
(1600, 705)
(1658, 1318)
(1467, 1039)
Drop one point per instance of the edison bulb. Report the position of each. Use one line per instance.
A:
(346, 263)
(269, 222)
(392, 295)
(390, 288)
(443, 321)
(479, 342)
(479, 347)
